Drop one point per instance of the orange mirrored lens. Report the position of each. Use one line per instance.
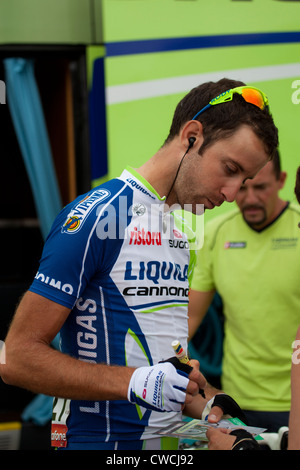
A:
(253, 96)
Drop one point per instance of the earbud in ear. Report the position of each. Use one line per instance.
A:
(192, 140)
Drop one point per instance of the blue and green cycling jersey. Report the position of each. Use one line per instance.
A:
(121, 263)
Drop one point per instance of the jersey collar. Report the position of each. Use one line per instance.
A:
(272, 221)
(131, 172)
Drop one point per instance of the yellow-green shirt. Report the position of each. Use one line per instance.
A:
(257, 275)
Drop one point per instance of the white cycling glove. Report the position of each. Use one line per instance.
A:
(161, 387)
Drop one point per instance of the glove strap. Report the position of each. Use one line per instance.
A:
(244, 440)
(227, 404)
(187, 369)
(229, 407)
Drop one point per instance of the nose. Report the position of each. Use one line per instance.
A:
(249, 195)
(230, 192)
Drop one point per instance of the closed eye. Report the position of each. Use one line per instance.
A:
(230, 170)
(260, 187)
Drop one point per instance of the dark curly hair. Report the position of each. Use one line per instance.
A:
(224, 119)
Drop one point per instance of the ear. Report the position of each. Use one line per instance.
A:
(282, 179)
(191, 129)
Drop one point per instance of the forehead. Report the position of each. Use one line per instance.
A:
(246, 150)
(265, 175)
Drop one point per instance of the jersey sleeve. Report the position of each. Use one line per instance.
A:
(75, 250)
(67, 263)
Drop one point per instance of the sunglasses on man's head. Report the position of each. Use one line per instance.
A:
(250, 94)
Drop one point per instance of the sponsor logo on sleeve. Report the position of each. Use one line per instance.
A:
(81, 211)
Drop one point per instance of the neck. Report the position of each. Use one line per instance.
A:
(160, 170)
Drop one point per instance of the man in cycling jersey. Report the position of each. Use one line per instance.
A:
(114, 278)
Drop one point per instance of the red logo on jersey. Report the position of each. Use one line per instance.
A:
(176, 233)
(143, 237)
(58, 435)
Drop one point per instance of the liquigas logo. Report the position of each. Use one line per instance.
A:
(80, 212)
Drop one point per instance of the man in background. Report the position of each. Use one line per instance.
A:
(251, 258)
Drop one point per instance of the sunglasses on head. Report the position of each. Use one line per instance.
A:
(250, 94)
